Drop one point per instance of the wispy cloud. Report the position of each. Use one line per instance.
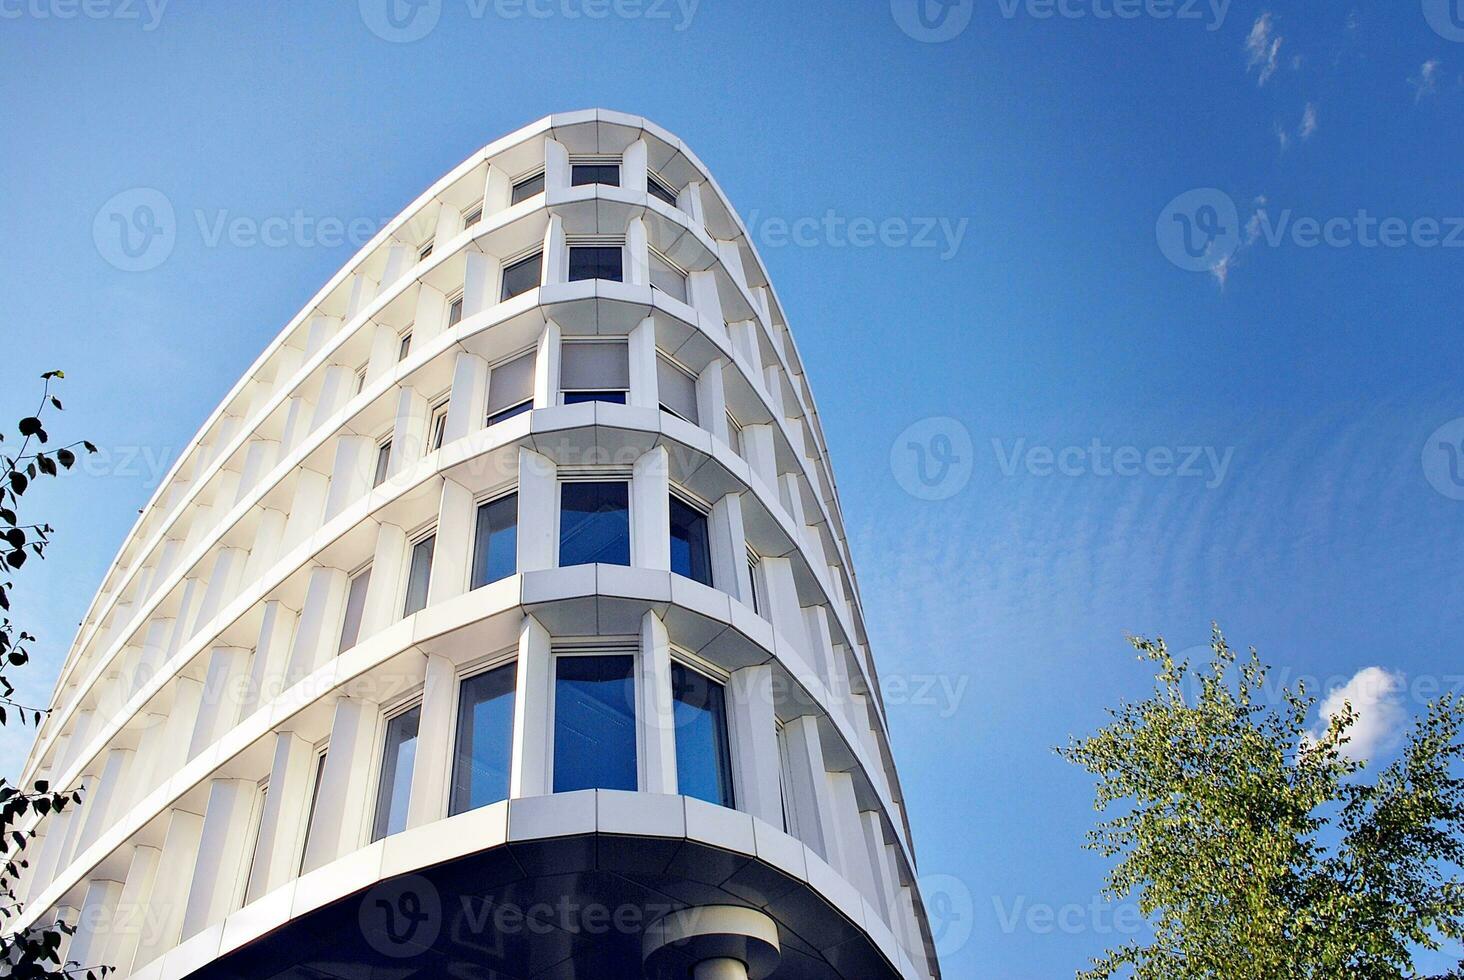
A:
(1263, 48)
(1426, 82)
(1376, 697)
(1309, 121)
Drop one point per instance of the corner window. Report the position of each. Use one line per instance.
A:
(484, 751)
(472, 216)
(690, 546)
(594, 172)
(455, 312)
(419, 575)
(495, 548)
(677, 390)
(404, 346)
(511, 388)
(667, 276)
(594, 371)
(528, 187)
(703, 760)
(594, 524)
(594, 724)
(521, 276)
(659, 189)
(355, 607)
(383, 464)
(597, 262)
(394, 791)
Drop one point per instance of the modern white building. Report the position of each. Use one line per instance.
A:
(499, 623)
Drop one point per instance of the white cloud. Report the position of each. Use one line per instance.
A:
(1308, 121)
(1376, 696)
(1427, 81)
(1263, 48)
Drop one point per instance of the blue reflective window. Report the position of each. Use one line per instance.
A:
(594, 724)
(419, 575)
(703, 761)
(495, 549)
(394, 793)
(484, 740)
(580, 397)
(594, 173)
(594, 524)
(690, 548)
(596, 262)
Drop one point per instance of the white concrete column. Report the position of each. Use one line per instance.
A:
(877, 855)
(269, 665)
(644, 387)
(269, 537)
(74, 826)
(637, 248)
(701, 290)
(781, 601)
(497, 190)
(810, 790)
(318, 331)
(480, 283)
(282, 824)
(299, 410)
(318, 632)
(633, 166)
(350, 475)
(760, 301)
(657, 744)
(306, 508)
(453, 551)
(49, 863)
(337, 386)
(171, 882)
(399, 260)
(538, 504)
(556, 165)
(409, 433)
(759, 449)
(154, 652)
(533, 725)
(340, 821)
(853, 856)
(259, 459)
(363, 291)
(223, 585)
(756, 758)
(449, 222)
(556, 251)
(171, 752)
(223, 689)
(728, 537)
(80, 737)
(690, 201)
(650, 511)
(431, 315)
(546, 367)
(70, 915)
(711, 400)
(467, 411)
(386, 344)
(95, 924)
(745, 347)
(144, 777)
(387, 587)
(285, 364)
(223, 853)
(100, 810)
(136, 899)
(186, 622)
(432, 768)
(821, 652)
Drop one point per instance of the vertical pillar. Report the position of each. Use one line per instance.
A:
(223, 851)
(852, 852)
(546, 367)
(100, 810)
(454, 548)
(218, 709)
(532, 724)
(171, 753)
(467, 411)
(350, 475)
(341, 807)
(728, 537)
(282, 824)
(809, 788)
(538, 502)
(259, 459)
(433, 758)
(642, 352)
(756, 758)
(136, 899)
(384, 592)
(821, 653)
(409, 433)
(650, 508)
(877, 854)
(306, 508)
(556, 165)
(760, 451)
(745, 347)
(497, 190)
(170, 885)
(481, 276)
(431, 314)
(269, 536)
(336, 388)
(633, 166)
(385, 346)
(711, 400)
(783, 609)
(556, 251)
(94, 926)
(637, 247)
(705, 297)
(317, 635)
(299, 410)
(223, 583)
(267, 670)
(657, 713)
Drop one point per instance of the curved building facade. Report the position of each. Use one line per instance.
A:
(499, 623)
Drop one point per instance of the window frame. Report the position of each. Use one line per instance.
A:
(654, 253)
(606, 477)
(320, 753)
(598, 160)
(404, 344)
(653, 179)
(704, 511)
(389, 714)
(519, 407)
(710, 672)
(437, 423)
(424, 250)
(382, 472)
(596, 242)
(455, 307)
(472, 214)
(487, 500)
(563, 391)
(413, 542)
(754, 573)
(496, 661)
(513, 262)
(536, 174)
(362, 571)
(601, 649)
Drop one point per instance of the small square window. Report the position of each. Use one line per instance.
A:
(437, 428)
(597, 262)
(472, 216)
(594, 524)
(528, 187)
(595, 173)
(405, 346)
(659, 189)
(594, 371)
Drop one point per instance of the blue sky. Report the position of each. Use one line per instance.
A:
(1139, 447)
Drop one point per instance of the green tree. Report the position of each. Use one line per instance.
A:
(34, 952)
(1258, 851)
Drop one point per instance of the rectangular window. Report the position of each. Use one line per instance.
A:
(355, 606)
(437, 427)
(256, 828)
(404, 346)
(734, 434)
(472, 216)
(522, 276)
(594, 524)
(597, 262)
(419, 575)
(511, 388)
(455, 312)
(666, 277)
(425, 252)
(785, 784)
(383, 464)
(394, 791)
(594, 724)
(677, 390)
(495, 548)
(594, 173)
(528, 187)
(703, 759)
(360, 379)
(753, 572)
(691, 553)
(484, 740)
(594, 371)
(658, 188)
(320, 758)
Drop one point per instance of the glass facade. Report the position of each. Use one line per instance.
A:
(703, 760)
(484, 750)
(594, 724)
(394, 791)
(594, 524)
